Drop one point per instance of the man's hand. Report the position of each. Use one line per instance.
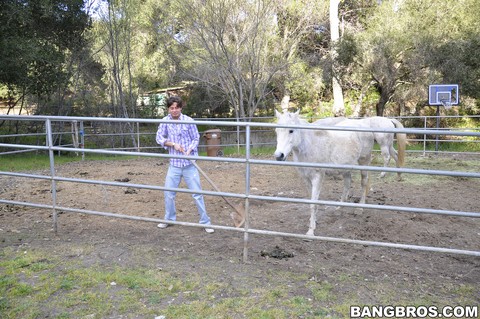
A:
(188, 152)
(178, 148)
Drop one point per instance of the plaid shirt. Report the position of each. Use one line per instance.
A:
(184, 134)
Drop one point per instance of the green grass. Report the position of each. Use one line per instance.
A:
(40, 284)
(233, 150)
(34, 283)
(27, 162)
(446, 146)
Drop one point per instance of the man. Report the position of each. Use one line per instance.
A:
(180, 139)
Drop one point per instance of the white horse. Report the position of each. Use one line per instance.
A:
(384, 140)
(323, 146)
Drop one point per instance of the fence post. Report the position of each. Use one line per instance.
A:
(75, 135)
(48, 125)
(138, 136)
(238, 137)
(82, 139)
(424, 135)
(438, 127)
(247, 192)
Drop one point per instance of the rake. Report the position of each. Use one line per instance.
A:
(239, 215)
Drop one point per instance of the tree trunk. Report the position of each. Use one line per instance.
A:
(384, 97)
(338, 104)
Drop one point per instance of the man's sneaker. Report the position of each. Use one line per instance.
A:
(209, 230)
(162, 225)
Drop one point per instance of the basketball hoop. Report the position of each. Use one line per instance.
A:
(442, 94)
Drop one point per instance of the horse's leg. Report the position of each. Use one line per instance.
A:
(347, 185)
(394, 154)
(315, 194)
(386, 157)
(364, 183)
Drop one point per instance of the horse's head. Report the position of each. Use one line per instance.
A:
(287, 138)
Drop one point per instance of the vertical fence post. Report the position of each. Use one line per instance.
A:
(48, 125)
(138, 136)
(238, 136)
(424, 135)
(82, 139)
(75, 135)
(438, 127)
(247, 192)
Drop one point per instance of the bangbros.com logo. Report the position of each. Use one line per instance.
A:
(413, 312)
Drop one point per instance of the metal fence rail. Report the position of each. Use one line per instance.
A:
(83, 131)
(246, 196)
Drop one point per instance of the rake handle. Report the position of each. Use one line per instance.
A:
(214, 186)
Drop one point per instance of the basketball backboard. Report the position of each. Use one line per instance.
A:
(443, 94)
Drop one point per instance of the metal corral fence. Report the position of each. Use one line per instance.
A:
(140, 135)
(246, 129)
(234, 136)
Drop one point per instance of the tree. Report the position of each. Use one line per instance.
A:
(385, 49)
(232, 45)
(115, 39)
(452, 53)
(247, 50)
(38, 44)
(407, 45)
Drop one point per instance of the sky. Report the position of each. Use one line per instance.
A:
(96, 8)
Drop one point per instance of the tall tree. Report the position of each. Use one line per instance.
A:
(299, 32)
(232, 43)
(409, 44)
(246, 50)
(115, 30)
(38, 43)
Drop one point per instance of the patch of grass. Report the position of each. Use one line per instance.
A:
(27, 162)
(447, 146)
(437, 163)
(234, 151)
(321, 291)
(39, 284)
(464, 292)
(443, 163)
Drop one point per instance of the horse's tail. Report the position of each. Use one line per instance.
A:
(401, 143)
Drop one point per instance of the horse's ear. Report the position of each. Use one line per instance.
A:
(298, 112)
(277, 114)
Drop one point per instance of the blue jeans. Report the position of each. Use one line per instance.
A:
(192, 179)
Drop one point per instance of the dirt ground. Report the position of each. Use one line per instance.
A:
(187, 249)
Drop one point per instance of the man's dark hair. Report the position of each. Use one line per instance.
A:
(174, 99)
